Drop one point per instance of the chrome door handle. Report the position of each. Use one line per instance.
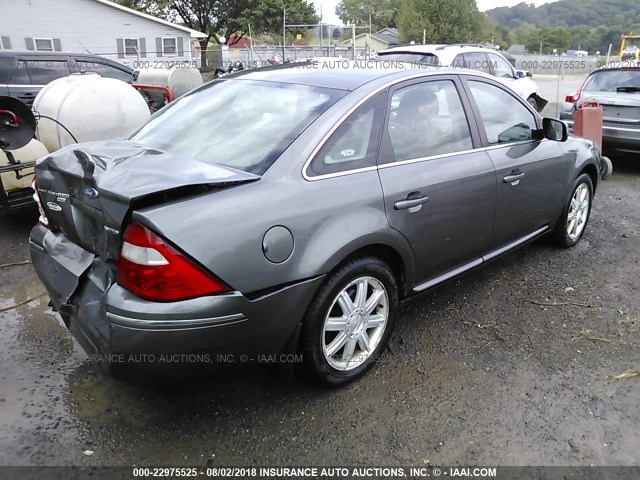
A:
(513, 178)
(410, 203)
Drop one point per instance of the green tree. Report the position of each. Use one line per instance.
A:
(383, 12)
(446, 21)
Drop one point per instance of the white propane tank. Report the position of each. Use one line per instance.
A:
(30, 152)
(178, 80)
(91, 107)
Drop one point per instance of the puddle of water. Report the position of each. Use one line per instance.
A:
(100, 400)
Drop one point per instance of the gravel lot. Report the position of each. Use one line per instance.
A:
(479, 371)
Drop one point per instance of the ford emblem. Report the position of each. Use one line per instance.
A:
(54, 206)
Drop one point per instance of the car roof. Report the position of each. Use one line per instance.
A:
(343, 74)
(33, 53)
(442, 51)
(437, 48)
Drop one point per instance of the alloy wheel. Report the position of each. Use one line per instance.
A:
(355, 323)
(578, 211)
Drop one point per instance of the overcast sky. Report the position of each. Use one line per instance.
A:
(329, 7)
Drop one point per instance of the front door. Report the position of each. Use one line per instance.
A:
(439, 192)
(531, 172)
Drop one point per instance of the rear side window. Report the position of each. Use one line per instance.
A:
(428, 119)
(104, 70)
(46, 71)
(611, 80)
(6, 69)
(477, 61)
(355, 143)
(505, 119)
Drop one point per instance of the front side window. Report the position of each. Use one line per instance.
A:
(131, 47)
(169, 46)
(428, 119)
(104, 70)
(501, 68)
(505, 119)
(243, 124)
(43, 72)
(43, 44)
(355, 143)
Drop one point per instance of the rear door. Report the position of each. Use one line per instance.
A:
(438, 191)
(532, 173)
(34, 72)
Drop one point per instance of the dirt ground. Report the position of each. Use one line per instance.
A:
(506, 366)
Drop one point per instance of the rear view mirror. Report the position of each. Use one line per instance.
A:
(555, 129)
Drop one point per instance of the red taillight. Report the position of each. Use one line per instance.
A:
(575, 97)
(154, 270)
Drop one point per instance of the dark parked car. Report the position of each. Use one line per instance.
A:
(24, 74)
(617, 90)
(292, 210)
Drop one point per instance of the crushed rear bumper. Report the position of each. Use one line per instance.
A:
(108, 320)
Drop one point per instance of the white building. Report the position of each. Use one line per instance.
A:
(100, 27)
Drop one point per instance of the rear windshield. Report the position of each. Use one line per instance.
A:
(409, 57)
(611, 80)
(243, 124)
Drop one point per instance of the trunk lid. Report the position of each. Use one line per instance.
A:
(87, 191)
(617, 108)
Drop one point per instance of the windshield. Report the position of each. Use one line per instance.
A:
(242, 124)
(611, 80)
(409, 57)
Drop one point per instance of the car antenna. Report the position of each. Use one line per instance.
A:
(84, 47)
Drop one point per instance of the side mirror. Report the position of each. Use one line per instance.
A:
(519, 74)
(555, 129)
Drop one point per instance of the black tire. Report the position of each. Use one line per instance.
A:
(561, 236)
(314, 337)
(533, 102)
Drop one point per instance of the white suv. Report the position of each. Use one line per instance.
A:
(473, 57)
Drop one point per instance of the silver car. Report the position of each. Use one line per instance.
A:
(617, 89)
(292, 210)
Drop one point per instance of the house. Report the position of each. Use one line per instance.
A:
(387, 37)
(100, 27)
(517, 49)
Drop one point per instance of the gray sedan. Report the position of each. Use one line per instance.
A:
(292, 210)
(617, 90)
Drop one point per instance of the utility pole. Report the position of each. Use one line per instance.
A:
(424, 36)
(284, 32)
(369, 42)
(353, 36)
(251, 51)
